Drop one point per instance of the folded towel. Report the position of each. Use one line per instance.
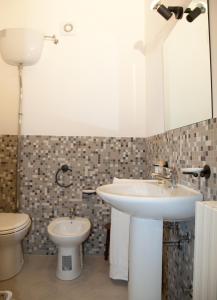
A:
(119, 242)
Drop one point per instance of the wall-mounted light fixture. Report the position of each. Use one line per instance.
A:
(167, 12)
(161, 9)
(178, 11)
(199, 9)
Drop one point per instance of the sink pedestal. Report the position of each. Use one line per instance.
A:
(145, 259)
(149, 204)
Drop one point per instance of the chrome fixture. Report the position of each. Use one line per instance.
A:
(88, 192)
(204, 172)
(19, 132)
(71, 214)
(179, 241)
(166, 174)
(51, 38)
(198, 172)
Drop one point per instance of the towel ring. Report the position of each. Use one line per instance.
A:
(64, 169)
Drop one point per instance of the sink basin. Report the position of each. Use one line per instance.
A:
(151, 200)
(148, 203)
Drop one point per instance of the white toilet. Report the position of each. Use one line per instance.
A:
(68, 234)
(13, 229)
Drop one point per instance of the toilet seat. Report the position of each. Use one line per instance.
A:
(13, 222)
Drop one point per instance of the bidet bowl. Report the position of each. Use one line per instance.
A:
(68, 232)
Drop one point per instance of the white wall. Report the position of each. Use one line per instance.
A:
(92, 83)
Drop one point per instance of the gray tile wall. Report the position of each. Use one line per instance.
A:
(8, 164)
(190, 146)
(94, 162)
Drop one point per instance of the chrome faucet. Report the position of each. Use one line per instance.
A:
(71, 213)
(167, 175)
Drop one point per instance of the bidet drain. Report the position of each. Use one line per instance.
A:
(66, 263)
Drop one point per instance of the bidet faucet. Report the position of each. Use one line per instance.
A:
(168, 175)
(71, 213)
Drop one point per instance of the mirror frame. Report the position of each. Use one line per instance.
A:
(212, 6)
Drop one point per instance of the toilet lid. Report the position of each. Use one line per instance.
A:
(11, 222)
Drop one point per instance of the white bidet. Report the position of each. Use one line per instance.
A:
(68, 234)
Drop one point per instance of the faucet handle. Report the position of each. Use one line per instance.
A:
(71, 212)
(161, 163)
(174, 175)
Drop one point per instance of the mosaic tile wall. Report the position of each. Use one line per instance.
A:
(191, 146)
(8, 163)
(94, 162)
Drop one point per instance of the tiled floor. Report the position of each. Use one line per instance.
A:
(37, 281)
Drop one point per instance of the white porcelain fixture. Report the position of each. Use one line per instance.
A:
(151, 200)
(68, 234)
(21, 46)
(13, 229)
(148, 203)
(6, 295)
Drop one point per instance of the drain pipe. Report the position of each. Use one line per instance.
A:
(20, 114)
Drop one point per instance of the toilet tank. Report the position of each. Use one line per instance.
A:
(21, 46)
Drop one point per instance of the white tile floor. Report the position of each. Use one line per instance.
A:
(37, 281)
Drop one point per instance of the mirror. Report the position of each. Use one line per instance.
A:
(8, 135)
(187, 72)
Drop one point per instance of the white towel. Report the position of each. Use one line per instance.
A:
(119, 242)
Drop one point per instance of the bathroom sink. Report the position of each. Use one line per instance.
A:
(148, 203)
(150, 200)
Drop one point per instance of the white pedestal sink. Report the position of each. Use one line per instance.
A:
(148, 203)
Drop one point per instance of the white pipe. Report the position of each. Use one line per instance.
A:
(20, 114)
